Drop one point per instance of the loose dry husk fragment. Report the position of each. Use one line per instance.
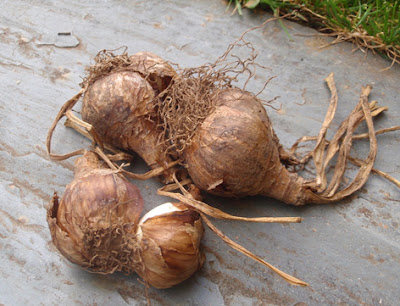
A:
(169, 237)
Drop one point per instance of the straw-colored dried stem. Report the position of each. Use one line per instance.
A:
(204, 208)
(67, 106)
(319, 150)
(290, 279)
(324, 192)
(351, 159)
(391, 179)
(145, 176)
(378, 132)
(87, 130)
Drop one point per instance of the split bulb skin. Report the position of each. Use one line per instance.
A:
(235, 152)
(154, 69)
(96, 202)
(169, 239)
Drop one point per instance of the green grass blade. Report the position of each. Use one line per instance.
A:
(365, 15)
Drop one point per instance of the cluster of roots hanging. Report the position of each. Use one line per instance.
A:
(111, 249)
(106, 62)
(187, 102)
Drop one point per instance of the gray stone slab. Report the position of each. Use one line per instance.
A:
(348, 252)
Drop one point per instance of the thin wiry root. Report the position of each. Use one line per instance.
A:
(186, 103)
(111, 249)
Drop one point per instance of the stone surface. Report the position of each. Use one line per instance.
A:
(348, 252)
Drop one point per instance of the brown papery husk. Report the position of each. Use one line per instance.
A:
(118, 108)
(94, 223)
(119, 103)
(236, 153)
(169, 245)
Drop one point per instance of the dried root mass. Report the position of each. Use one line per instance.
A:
(149, 65)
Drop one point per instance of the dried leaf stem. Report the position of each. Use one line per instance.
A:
(290, 279)
(205, 210)
(351, 159)
(319, 151)
(67, 106)
(322, 191)
(87, 130)
(219, 214)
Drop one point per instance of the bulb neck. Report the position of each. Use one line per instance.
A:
(85, 164)
(286, 187)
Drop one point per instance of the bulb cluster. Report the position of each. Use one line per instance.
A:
(96, 225)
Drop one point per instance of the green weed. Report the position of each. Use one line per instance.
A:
(371, 24)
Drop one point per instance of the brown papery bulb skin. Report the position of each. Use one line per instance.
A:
(235, 152)
(154, 69)
(169, 245)
(91, 223)
(120, 108)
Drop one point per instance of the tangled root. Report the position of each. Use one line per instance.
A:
(186, 103)
(111, 249)
(106, 62)
(150, 66)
